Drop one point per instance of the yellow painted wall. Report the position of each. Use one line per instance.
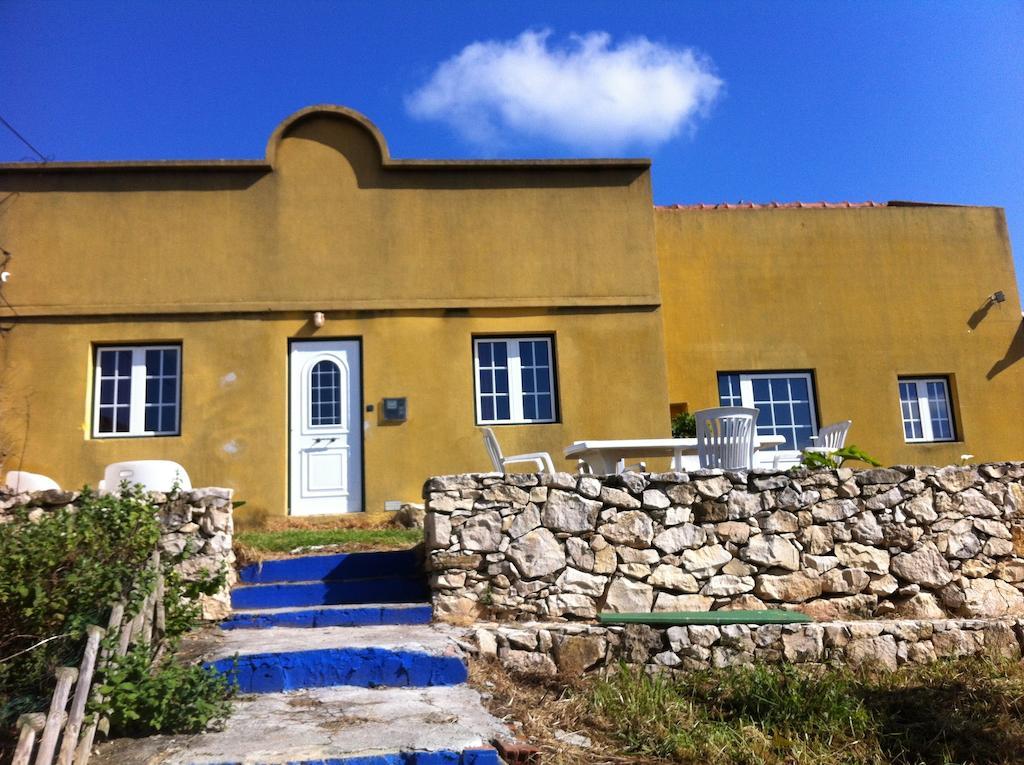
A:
(412, 257)
(859, 296)
(234, 428)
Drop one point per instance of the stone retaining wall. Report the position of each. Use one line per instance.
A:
(199, 520)
(547, 648)
(903, 542)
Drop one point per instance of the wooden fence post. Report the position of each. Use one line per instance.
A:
(114, 627)
(77, 713)
(66, 677)
(30, 725)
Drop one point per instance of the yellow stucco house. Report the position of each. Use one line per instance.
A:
(324, 328)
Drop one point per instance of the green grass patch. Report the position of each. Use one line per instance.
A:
(967, 711)
(360, 539)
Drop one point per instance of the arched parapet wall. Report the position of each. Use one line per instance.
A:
(344, 129)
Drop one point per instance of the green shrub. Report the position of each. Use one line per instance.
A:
(143, 699)
(58, 574)
(837, 458)
(684, 425)
(61, 572)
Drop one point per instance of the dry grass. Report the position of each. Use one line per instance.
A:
(536, 707)
(964, 711)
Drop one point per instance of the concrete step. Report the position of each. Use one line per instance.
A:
(330, 592)
(284, 659)
(368, 565)
(381, 726)
(330, 616)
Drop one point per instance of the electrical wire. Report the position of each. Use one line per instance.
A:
(24, 140)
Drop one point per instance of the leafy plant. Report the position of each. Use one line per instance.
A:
(142, 698)
(837, 458)
(60, 571)
(684, 425)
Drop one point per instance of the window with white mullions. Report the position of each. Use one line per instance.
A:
(137, 391)
(325, 394)
(515, 380)
(784, 400)
(925, 409)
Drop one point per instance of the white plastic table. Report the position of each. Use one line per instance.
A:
(606, 457)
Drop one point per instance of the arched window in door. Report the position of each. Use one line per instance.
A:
(325, 394)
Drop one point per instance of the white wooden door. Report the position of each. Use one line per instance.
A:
(326, 440)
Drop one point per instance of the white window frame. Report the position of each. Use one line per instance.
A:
(515, 379)
(925, 411)
(747, 394)
(137, 394)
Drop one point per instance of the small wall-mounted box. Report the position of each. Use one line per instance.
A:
(393, 410)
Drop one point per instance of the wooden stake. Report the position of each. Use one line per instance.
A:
(66, 677)
(30, 725)
(77, 713)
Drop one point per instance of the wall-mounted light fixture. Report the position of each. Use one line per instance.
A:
(997, 297)
(318, 319)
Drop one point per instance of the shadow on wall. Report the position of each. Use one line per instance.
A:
(1013, 354)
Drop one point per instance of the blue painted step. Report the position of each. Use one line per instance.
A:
(322, 667)
(329, 616)
(399, 563)
(331, 592)
(482, 756)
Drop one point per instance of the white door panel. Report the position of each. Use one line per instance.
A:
(325, 450)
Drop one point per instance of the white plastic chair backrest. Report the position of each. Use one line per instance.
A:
(22, 480)
(834, 436)
(725, 437)
(493, 449)
(154, 475)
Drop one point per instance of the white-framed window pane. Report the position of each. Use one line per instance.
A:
(729, 390)
(926, 410)
(784, 400)
(911, 412)
(325, 394)
(514, 380)
(137, 391)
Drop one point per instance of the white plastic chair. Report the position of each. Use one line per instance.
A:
(830, 438)
(21, 480)
(725, 437)
(154, 475)
(541, 459)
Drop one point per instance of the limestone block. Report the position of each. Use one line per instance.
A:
(673, 578)
(790, 588)
(524, 522)
(724, 585)
(955, 479)
(855, 555)
(628, 596)
(925, 567)
(987, 598)
(537, 553)
(676, 538)
(845, 581)
(568, 511)
(705, 561)
(805, 645)
(771, 550)
(437, 531)
(481, 533)
(572, 580)
(878, 652)
(631, 528)
(618, 498)
(667, 602)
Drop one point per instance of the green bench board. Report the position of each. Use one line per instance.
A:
(669, 618)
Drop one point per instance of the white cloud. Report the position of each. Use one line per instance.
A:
(588, 95)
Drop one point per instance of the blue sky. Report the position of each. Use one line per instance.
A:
(736, 101)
